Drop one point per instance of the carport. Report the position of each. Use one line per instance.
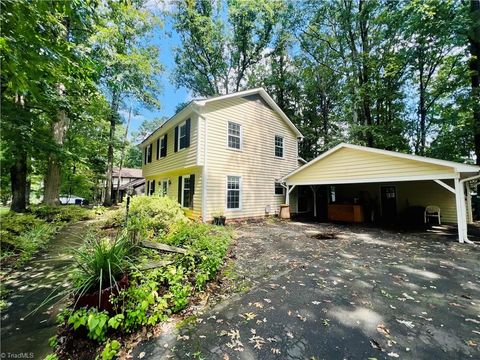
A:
(363, 183)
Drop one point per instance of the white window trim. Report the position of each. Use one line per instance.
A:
(183, 123)
(240, 203)
(183, 189)
(161, 186)
(275, 146)
(241, 137)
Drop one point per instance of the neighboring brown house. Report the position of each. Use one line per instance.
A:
(128, 177)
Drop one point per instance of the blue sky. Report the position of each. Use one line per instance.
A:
(170, 96)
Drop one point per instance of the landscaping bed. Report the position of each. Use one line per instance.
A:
(144, 286)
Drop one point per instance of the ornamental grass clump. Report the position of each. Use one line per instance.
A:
(101, 263)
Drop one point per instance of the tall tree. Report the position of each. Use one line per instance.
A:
(130, 66)
(474, 42)
(220, 48)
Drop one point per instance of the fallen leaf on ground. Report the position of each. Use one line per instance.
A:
(408, 324)
(382, 329)
(375, 344)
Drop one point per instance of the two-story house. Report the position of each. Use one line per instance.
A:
(223, 155)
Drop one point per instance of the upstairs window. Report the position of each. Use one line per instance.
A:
(279, 146)
(279, 189)
(234, 135)
(182, 135)
(233, 192)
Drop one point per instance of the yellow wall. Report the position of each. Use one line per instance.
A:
(256, 163)
(196, 212)
(182, 159)
(353, 164)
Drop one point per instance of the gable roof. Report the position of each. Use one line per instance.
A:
(458, 167)
(198, 103)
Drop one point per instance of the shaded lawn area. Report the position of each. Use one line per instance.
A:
(370, 293)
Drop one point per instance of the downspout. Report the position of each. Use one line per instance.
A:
(204, 167)
(463, 210)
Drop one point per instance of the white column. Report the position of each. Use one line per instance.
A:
(287, 196)
(460, 206)
(469, 206)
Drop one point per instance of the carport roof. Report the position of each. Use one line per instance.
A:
(455, 166)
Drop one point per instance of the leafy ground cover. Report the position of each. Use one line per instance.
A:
(23, 234)
(134, 288)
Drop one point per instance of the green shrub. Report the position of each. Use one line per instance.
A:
(101, 262)
(208, 242)
(115, 218)
(154, 216)
(63, 213)
(13, 225)
(96, 322)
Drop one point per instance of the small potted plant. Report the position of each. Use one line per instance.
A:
(219, 219)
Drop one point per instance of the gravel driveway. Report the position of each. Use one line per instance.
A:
(369, 293)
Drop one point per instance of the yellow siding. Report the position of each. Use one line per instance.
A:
(174, 160)
(196, 212)
(256, 163)
(351, 164)
(424, 193)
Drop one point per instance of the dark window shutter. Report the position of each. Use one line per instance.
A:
(164, 150)
(153, 186)
(176, 138)
(180, 190)
(145, 155)
(148, 187)
(158, 148)
(192, 189)
(187, 131)
(150, 150)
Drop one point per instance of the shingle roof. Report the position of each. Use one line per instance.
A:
(128, 172)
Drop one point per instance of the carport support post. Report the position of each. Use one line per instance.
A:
(289, 190)
(461, 218)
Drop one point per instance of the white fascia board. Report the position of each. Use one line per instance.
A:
(375, 180)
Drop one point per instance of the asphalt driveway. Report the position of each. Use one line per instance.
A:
(369, 293)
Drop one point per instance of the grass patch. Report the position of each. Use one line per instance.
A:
(189, 321)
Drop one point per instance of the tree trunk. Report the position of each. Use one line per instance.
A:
(422, 113)
(113, 119)
(474, 39)
(122, 156)
(18, 175)
(365, 74)
(53, 175)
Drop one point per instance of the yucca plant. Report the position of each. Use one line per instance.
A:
(101, 262)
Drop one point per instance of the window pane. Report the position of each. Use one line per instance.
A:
(234, 138)
(279, 189)
(233, 192)
(278, 146)
(234, 142)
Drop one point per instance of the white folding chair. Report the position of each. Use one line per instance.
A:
(432, 211)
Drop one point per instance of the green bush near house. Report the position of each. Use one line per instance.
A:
(154, 216)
